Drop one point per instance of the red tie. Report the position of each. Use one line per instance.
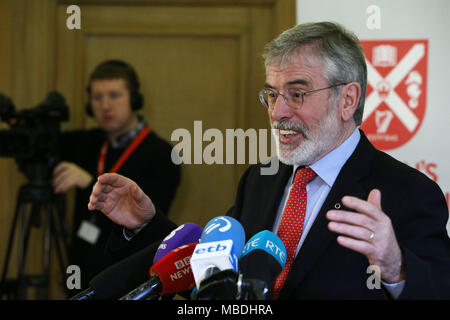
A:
(291, 224)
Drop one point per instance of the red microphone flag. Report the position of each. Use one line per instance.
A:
(174, 270)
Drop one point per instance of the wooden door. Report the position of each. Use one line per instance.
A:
(197, 61)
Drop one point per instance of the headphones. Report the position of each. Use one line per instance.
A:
(117, 69)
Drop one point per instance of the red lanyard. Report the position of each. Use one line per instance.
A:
(136, 142)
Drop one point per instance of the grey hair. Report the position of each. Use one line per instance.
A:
(339, 48)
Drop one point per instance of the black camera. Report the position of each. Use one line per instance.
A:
(33, 137)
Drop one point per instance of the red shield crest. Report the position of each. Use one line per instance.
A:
(396, 90)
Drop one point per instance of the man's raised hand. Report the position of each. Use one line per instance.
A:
(122, 201)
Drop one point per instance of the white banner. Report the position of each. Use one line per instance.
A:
(407, 107)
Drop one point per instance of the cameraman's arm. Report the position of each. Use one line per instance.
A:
(78, 151)
(67, 175)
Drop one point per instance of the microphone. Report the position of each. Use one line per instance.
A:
(120, 277)
(219, 285)
(263, 259)
(130, 272)
(171, 274)
(220, 246)
(184, 234)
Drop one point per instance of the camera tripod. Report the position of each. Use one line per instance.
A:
(37, 198)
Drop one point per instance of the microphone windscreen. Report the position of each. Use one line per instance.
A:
(174, 270)
(263, 257)
(225, 228)
(268, 242)
(184, 234)
(123, 276)
(259, 265)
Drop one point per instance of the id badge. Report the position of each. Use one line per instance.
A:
(89, 232)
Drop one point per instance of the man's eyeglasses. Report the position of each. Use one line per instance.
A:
(293, 97)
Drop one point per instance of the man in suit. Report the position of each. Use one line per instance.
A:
(346, 212)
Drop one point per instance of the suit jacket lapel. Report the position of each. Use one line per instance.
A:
(319, 236)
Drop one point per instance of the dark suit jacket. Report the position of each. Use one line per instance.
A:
(325, 270)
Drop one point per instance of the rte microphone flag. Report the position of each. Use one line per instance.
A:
(269, 242)
(263, 258)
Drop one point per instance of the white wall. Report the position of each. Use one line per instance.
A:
(406, 19)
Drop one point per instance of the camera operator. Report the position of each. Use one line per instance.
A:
(123, 143)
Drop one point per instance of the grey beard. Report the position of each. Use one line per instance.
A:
(314, 143)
